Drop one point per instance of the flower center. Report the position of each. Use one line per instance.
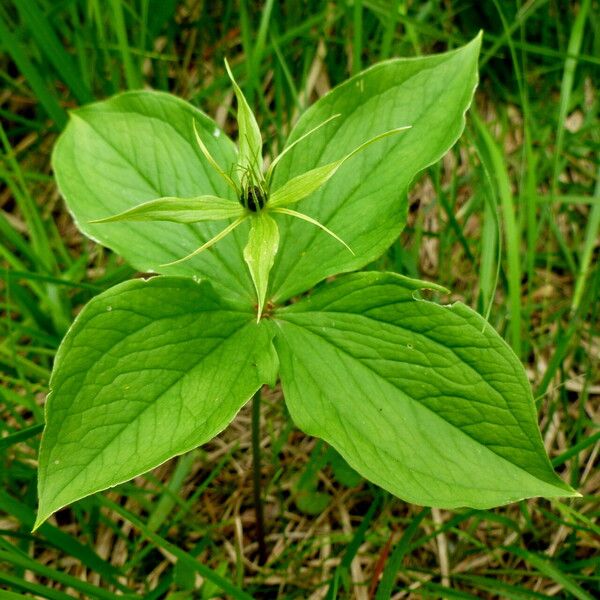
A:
(253, 198)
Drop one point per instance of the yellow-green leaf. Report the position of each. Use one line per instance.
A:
(149, 369)
(425, 400)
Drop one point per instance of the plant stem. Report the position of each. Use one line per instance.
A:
(258, 503)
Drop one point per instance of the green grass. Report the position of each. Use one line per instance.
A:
(509, 221)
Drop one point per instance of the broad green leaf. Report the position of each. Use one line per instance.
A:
(181, 210)
(425, 400)
(249, 138)
(365, 202)
(140, 146)
(260, 252)
(150, 369)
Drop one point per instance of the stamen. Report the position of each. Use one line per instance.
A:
(253, 198)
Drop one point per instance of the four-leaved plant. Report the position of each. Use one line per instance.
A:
(425, 400)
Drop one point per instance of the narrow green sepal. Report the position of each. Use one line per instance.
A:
(300, 187)
(260, 252)
(180, 210)
(303, 217)
(210, 242)
(250, 140)
(213, 163)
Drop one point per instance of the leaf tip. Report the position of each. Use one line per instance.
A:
(476, 41)
(571, 492)
(39, 521)
(42, 513)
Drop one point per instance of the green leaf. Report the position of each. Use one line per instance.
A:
(249, 138)
(312, 502)
(425, 400)
(150, 369)
(260, 252)
(140, 146)
(180, 210)
(365, 203)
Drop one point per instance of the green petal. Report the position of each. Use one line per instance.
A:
(303, 217)
(293, 144)
(215, 165)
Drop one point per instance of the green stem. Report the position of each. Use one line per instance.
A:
(258, 503)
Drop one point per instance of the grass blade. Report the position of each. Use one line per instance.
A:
(552, 571)
(189, 561)
(386, 585)
(47, 99)
(498, 168)
(132, 74)
(39, 27)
